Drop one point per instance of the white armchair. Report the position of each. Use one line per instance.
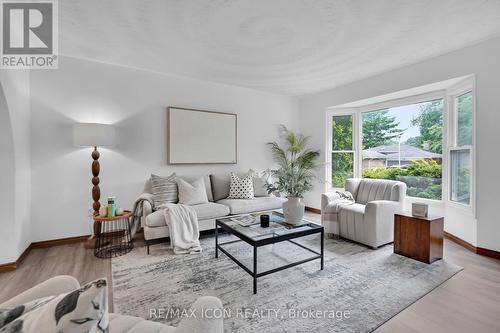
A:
(370, 219)
(198, 323)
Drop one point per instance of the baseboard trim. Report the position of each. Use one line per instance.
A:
(59, 241)
(11, 266)
(313, 210)
(460, 242)
(478, 250)
(488, 253)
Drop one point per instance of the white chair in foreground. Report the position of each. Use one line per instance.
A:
(198, 323)
(370, 219)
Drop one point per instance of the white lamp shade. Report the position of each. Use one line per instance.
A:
(93, 135)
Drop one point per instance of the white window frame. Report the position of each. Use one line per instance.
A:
(450, 187)
(453, 93)
(334, 112)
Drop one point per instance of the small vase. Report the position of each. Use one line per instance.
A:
(293, 209)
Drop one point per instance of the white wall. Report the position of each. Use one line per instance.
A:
(15, 166)
(135, 101)
(482, 60)
(7, 242)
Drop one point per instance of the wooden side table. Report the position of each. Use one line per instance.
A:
(112, 235)
(419, 238)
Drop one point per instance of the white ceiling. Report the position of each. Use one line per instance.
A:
(293, 47)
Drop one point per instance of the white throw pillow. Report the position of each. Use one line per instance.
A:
(241, 188)
(192, 194)
(82, 310)
(164, 189)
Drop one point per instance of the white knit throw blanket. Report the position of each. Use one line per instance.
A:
(183, 225)
(343, 198)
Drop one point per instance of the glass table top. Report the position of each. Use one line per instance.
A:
(277, 225)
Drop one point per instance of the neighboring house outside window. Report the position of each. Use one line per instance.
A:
(410, 137)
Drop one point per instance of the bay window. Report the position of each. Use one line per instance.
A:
(425, 141)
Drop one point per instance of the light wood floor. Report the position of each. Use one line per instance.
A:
(468, 302)
(41, 264)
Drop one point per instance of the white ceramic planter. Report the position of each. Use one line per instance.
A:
(293, 209)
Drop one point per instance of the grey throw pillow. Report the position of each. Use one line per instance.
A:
(82, 310)
(260, 179)
(164, 190)
(241, 188)
(192, 193)
(206, 180)
(220, 186)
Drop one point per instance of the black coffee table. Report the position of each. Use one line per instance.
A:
(256, 236)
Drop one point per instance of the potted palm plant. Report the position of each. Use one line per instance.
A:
(295, 174)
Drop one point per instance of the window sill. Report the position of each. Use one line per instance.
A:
(466, 209)
(425, 200)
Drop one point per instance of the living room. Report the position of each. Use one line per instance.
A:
(212, 93)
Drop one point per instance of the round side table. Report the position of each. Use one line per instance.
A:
(112, 236)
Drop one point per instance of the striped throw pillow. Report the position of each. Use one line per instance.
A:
(164, 190)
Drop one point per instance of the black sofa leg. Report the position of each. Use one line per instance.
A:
(147, 245)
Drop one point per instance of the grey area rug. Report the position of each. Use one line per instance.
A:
(358, 290)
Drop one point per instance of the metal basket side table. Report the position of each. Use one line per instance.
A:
(113, 237)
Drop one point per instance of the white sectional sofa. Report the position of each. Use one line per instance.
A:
(370, 219)
(217, 187)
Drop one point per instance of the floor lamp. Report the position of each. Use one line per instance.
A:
(94, 135)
